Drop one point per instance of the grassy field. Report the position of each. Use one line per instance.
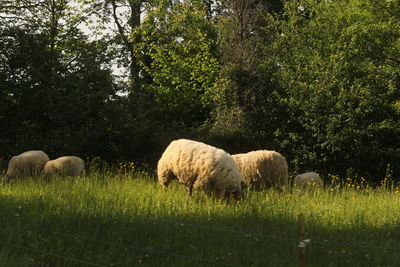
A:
(127, 219)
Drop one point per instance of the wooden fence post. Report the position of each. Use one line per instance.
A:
(301, 246)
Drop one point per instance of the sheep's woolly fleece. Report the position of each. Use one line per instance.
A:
(200, 166)
(307, 179)
(263, 168)
(26, 164)
(67, 165)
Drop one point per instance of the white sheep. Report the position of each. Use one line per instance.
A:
(200, 166)
(263, 169)
(67, 165)
(308, 179)
(29, 163)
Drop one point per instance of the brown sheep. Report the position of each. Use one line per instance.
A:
(29, 163)
(263, 169)
(67, 165)
(308, 179)
(200, 166)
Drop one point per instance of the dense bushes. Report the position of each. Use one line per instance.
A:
(317, 81)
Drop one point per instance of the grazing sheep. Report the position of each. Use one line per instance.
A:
(200, 166)
(308, 179)
(29, 163)
(263, 169)
(68, 165)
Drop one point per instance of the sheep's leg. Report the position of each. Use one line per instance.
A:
(190, 191)
(5, 179)
(165, 178)
(190, 184)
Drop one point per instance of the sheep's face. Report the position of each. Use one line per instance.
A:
(236, 193)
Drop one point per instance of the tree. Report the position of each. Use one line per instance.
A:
(180, 56)
(126, 14)
(57, 84)
(246, 96)
(339, 67)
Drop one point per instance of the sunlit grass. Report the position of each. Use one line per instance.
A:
(122, 217)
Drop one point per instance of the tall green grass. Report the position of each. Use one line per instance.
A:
(110, 218)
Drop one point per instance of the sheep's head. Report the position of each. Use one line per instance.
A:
(236, 193)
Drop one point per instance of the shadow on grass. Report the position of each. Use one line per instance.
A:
(38, 233)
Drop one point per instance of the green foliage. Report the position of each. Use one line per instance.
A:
(180, 57)
(247, 106)
(58, 93)
(341, 76)
(317, 81)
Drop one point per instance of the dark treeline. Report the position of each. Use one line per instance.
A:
(317, 81)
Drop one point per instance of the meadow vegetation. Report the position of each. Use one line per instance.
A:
(317, 81)
(123, 217)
